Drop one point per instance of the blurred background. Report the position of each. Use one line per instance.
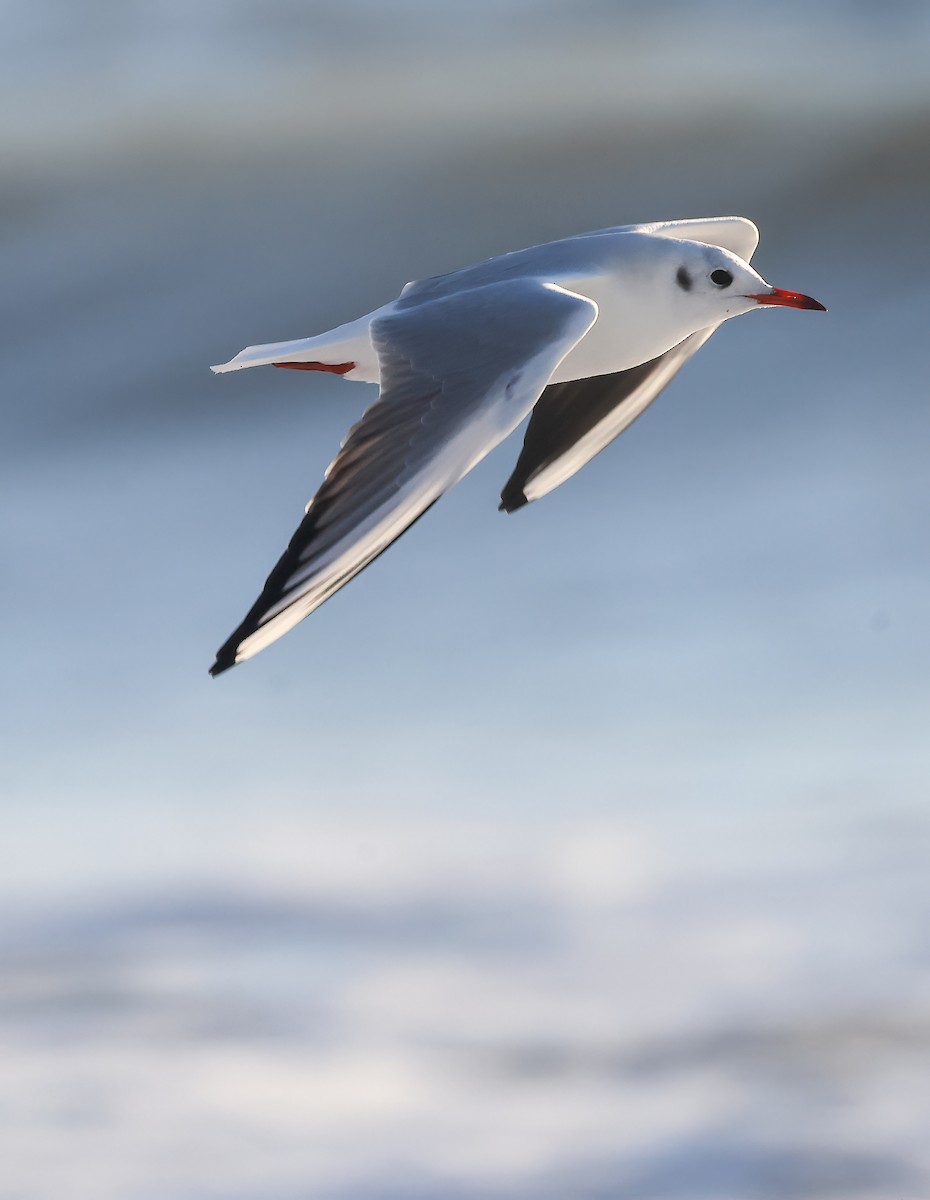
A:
(577, 853)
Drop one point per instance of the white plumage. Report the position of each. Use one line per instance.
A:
(584, 333)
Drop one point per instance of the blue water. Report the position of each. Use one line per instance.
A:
(576, 853)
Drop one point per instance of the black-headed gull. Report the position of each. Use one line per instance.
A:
(583, 333)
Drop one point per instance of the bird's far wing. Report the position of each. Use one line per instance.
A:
(736, 234)
(573, 421)
(457, 375)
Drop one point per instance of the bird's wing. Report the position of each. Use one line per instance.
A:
(737, 234)
(457, 375)
(573, 421)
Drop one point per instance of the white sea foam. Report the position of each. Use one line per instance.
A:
(486, 1009)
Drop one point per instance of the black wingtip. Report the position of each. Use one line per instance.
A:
(512, 498)
(225, 658)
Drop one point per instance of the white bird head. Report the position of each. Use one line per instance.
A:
(718, 284)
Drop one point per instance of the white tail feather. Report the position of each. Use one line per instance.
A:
(347, 343)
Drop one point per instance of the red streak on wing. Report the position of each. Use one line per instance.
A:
(332, 368)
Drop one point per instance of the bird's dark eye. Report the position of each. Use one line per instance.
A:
(683, 279)
(721, 278)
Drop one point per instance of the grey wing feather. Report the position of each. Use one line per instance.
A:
(457, 375)
(574, 421)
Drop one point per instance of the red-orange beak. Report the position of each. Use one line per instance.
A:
(788, 299)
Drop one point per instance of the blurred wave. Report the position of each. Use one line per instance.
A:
(585, 1011)
(109, 80)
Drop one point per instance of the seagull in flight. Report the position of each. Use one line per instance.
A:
(579, 334)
